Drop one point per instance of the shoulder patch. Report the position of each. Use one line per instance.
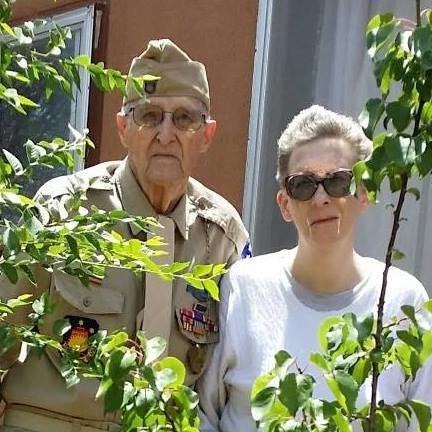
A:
(95, 177)
(218, 210)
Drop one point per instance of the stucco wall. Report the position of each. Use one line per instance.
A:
(220, 33)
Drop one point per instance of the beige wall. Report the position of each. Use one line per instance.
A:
(221, 34)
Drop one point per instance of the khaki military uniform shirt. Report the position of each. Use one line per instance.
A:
(208, 230)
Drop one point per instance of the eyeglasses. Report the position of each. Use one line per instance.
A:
(302, 187)
(151, 116)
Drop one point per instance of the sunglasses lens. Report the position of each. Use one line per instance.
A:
(186, 120)
(300, 187)
(148, 116)
(338, 185)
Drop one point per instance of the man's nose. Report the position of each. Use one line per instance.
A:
(166, 130)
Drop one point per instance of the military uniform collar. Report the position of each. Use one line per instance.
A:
(135, 201)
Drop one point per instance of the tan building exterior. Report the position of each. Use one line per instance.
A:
(220, 33)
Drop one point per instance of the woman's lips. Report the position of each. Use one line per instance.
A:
(324, 220)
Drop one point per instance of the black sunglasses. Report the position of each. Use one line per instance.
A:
(151, 116)
(302, 187)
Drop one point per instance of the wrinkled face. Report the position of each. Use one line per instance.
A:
(164, 155)
(322, 220)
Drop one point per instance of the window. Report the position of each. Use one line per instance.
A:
(52, 117)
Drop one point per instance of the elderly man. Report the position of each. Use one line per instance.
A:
(165, 135)
(278, 301)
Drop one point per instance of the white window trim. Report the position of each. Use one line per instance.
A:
(81, 18)
(259, 86)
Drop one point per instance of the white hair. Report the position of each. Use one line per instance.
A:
(318, 122)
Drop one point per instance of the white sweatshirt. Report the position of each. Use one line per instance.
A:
(264, 309)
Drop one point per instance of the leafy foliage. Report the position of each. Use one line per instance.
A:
(283, 399)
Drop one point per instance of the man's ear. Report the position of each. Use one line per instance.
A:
(209, 132)
(283, 202)
(121, 121)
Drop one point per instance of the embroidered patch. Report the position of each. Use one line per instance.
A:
(195, 320)
(77, 337)
(150, 87)
(200, 295)
(247, 251)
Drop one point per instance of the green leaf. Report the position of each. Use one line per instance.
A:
(426, 352)
(295, 391)
(364, 327)
(403, 355)
(325, 328)
(11, 239)
(10, 271)
(120, 364)
(424, 161)
(165, 378)
(282, 357)
(344, 388)
(378, 21)
(422, 412)
(201, 270)
(397, 255)
(154, 348)
(399, 150)
(400, 115)
(319, 360)
(377, 160)
(410, 339)
(212, 288)
(341, 421)
(73, 245)
(113, 398)
(176, 366)
(21, 300)
(145, 402)
(82, 60)
(14, 162)
(427, 306)
(61, 327)
(361, 370)
(348, 387)
(414, 191)
(263, 381)
(262, 402)
(385, 420)
(370, 116)
(378, 32)
(114, 341)
(409, 311)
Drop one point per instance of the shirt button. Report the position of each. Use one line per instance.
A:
(87, 301)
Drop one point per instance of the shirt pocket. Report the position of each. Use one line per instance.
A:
(94, 299)
(98, 301)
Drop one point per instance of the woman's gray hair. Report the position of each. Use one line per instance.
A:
(318, 122)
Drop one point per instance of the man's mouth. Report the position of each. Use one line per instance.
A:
(165, 156)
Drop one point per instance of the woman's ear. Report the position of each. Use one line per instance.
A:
(362, 198)
(283, 202)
